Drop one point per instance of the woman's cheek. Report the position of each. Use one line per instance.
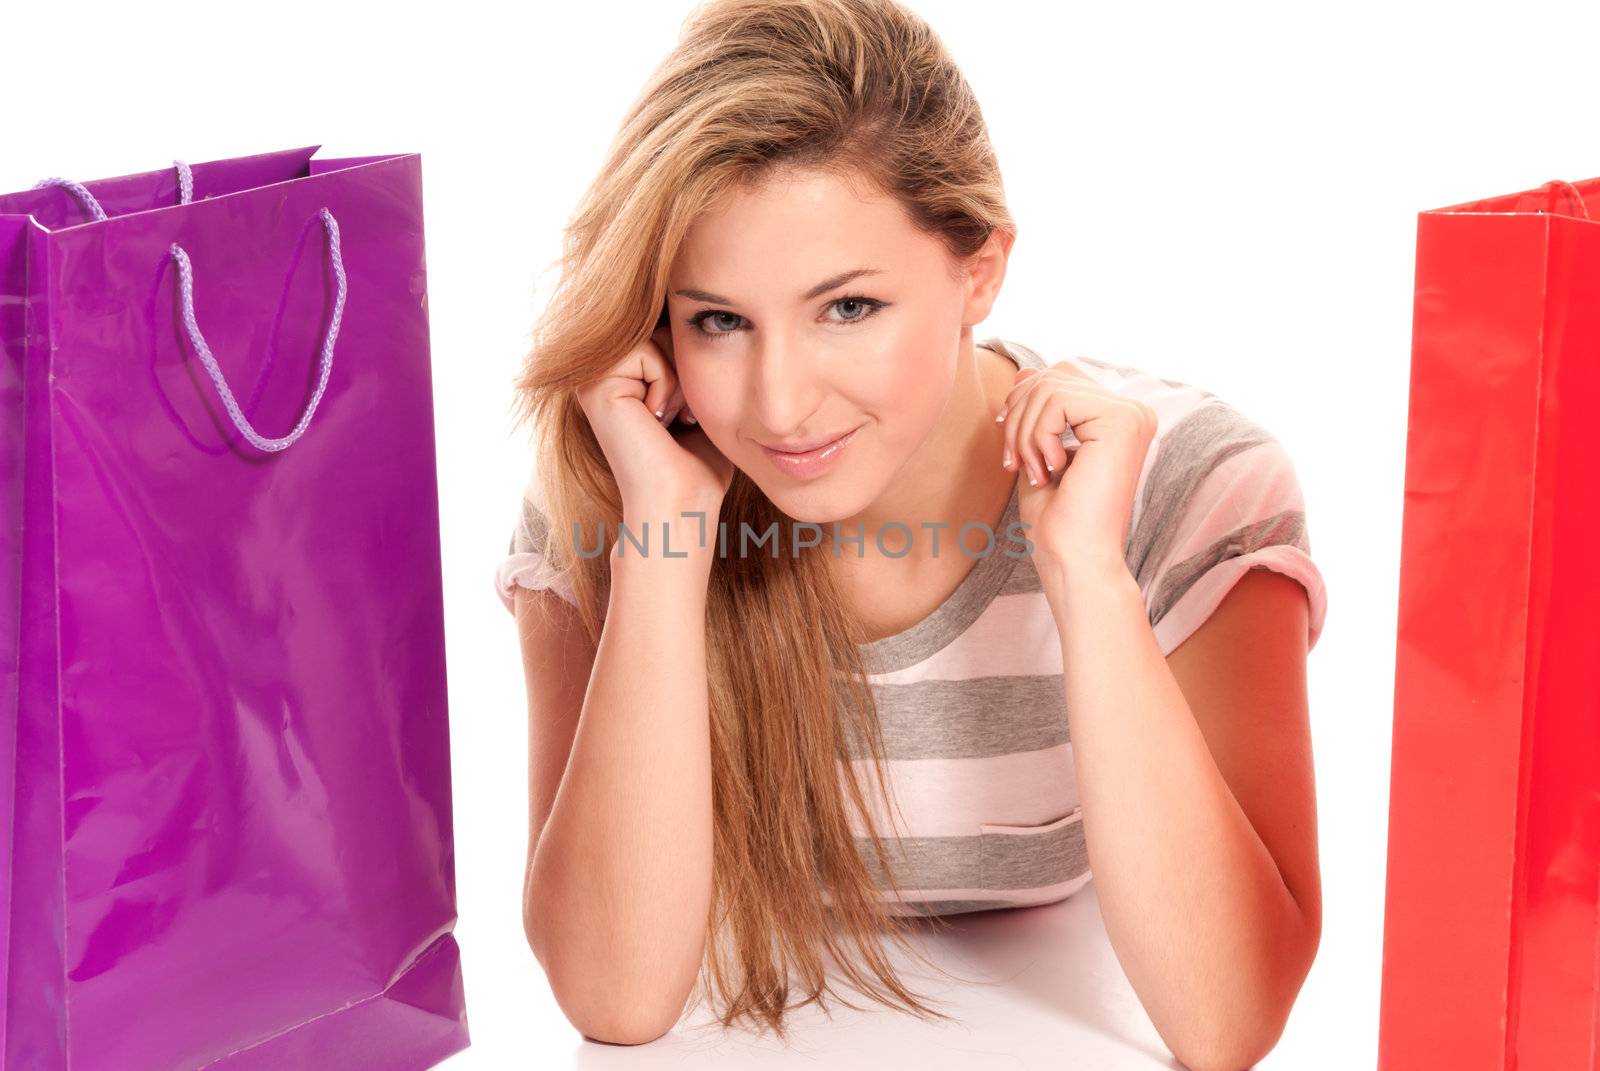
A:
(715, 410)
(919, 392)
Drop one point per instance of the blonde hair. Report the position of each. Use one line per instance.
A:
(865, 88)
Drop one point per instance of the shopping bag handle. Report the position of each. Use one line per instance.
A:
(1577, 194)
(81, 192)
(186, 280)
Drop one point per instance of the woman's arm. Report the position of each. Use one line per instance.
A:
(1195, 768)
(1199, 809)
(619, 875)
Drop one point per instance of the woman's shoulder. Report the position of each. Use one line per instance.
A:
(1196, 428)
(1170, 397)
(1217, 493)
(527, 561)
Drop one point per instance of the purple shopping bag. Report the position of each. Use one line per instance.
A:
(224, 753)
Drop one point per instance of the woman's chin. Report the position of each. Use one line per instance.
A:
(821, 502)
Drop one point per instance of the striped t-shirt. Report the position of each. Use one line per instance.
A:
(971, 698)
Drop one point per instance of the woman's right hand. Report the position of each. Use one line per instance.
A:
(660, 469)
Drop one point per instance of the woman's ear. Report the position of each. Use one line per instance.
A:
(985, 272)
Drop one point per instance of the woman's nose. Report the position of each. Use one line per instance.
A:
(786, 390)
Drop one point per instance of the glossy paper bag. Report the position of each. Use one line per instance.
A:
(226, 777)
(1490, 933)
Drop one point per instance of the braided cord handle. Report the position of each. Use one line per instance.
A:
(186, 280)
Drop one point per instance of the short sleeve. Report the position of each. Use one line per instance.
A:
(1222, 497)
(525, 564)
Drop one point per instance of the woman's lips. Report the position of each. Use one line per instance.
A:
(811, 463)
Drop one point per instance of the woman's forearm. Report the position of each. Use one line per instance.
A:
(620, 881)
(1202, 922)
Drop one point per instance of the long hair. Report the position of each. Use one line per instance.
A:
(865, 88)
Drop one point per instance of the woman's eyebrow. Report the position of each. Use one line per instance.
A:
(816, 291)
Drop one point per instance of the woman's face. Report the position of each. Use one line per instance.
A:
(809, 309)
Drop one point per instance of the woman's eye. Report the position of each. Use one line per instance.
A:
(719, 321)
(856, 308)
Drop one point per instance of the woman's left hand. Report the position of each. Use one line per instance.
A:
(1079, 510)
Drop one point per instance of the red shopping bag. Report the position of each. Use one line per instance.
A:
(1490, 932)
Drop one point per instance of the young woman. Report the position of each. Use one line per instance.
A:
(1017, 617)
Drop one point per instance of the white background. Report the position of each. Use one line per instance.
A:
(1226, 194)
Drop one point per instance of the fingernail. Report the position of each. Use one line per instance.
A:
(1001, 417)
(1049, 466)
(1031, 481)
(690, 418)
(659, 412)
(1006, 464)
